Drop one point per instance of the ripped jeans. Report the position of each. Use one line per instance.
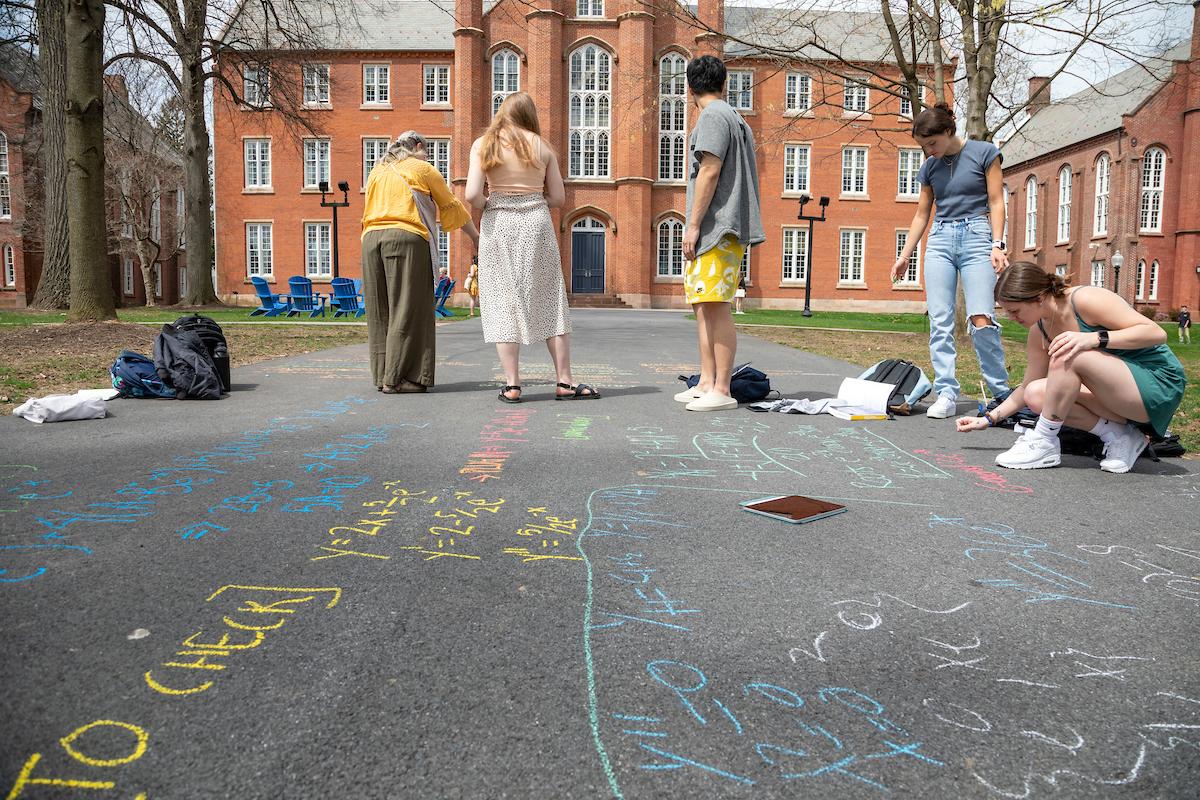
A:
(962, 247)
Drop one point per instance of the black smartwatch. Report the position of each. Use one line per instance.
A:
(1103, 336)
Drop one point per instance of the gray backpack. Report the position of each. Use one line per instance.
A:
(183, 362)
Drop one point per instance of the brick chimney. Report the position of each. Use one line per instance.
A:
(1042, 100)
(711, 14)
(116, 84)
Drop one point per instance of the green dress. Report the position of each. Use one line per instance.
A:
(1157, 373)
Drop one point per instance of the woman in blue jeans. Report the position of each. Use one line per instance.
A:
(963, 181)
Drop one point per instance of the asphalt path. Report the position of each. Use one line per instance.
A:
(313, 590)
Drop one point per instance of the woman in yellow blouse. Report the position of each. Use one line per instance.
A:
(399, 247)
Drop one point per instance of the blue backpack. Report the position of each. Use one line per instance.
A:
(133, 375)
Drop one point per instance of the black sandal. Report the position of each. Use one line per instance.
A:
(579, 392)
(504, 398)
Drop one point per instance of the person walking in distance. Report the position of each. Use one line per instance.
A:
(723, 219)
(473, 285)
(1185, 325)
(962, 179)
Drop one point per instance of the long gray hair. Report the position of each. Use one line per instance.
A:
(405, 146)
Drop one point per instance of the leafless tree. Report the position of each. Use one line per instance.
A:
(197, 46)
(54, 287)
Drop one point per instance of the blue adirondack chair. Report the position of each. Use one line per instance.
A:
(345, 299)
(441, 297)
(270, 304)
(303, 299)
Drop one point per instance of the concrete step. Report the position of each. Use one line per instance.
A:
(596, 301)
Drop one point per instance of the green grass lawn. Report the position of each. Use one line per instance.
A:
(172, 313)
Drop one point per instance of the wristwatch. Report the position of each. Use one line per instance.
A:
(1000, 245)
(1103, 337)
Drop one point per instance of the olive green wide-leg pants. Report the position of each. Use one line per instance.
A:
(398, 291)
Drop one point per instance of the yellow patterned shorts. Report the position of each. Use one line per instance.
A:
(713, 276)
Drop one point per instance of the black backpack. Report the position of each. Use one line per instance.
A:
(183, 362)
(748, 385)
(911, 384)
(214, 339)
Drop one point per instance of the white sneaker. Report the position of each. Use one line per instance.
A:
(1032, 451)
(712, 401)
(944, 406)
(688, 395)
(1121, 453)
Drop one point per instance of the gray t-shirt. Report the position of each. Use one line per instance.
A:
(959, 182)
(734, 208)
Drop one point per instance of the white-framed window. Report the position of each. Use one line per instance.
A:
(795, 255)
(744, 267)
(1064, 204)
(10, 266)
(256, 85)
(672, 118)
(377, 84)
(438, 151)
(850, 262)
(589, 8)
(316, 84)
(1031, 212)
(157, 272)
(156, 213)
(1103, 179)
(258, 250)
(1097, 273)
(906, 109)
(912, 276)
(318, 250)
(1007, 194)
(739, 89)
(316, 162)
(1140, 281)
(797, 92)
(437, 85)
(1154, 164)
(257, 154)
(373, 150)
(910, 164)
(854, 96)
(182, 282)
(1154, 280)
(795, 168)
(3, 153)
(1061, 270)
(589, 112)
(854, 170)
(670, 248)
(506, 77)
(443, 249)
(180, 214)
(5, 198)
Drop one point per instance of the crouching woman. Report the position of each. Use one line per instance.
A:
(1094, 363)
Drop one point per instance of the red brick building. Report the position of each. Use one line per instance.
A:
(1115, 168)
(607, 76)
(21, 193)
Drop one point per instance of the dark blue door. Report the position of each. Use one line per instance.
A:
(587, 261)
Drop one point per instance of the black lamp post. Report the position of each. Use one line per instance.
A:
(335, 205)
(824, 204)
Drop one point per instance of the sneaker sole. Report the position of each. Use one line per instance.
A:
(1050, 461)
(1127, 467)
(722, 407)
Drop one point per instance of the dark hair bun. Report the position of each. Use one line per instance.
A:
(944, 106)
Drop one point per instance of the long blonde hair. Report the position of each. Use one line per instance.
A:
(515, 114)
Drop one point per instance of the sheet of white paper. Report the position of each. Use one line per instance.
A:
(857, 398)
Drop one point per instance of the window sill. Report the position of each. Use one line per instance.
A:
(267, 278)
(1101, 235)
(797, 112)
(792, 284)
(682, 184)
(673, 279)
(375, 107)
(592, 181)
(258, 190)
(745, 112)
(863, 115)
(907, 198)
(313, 190)
(908, 287)
(855, 285)
(436, 107)
(1156, 234)
(317, 107)
(249, 108)
(854, 197)
(795, 195)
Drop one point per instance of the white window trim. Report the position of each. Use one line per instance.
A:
(262, 93)
(436, 70)
(5, 197)
(1031, 213)
(852, 282)
(181, 277)
(376, 140)
(866, 172)
(269, 225)
(433, 145)
(857, 85)
(806, 148)
(1097, 276)
(750, 90)
(799, 256)
(676, 134)
(10, 266)
(510, 57)
(673, 229)
(589, 9)
(1153, 296)
(797, 110)
(320, 251)
(1146, 193)
(328, 163)
(257, 187)
(904, 282)
(916, 157)
(1103, 189)
(600, 134)
(386, 85)
(1065, 191)
(1141, 280)
(158, 281)
(305, 71)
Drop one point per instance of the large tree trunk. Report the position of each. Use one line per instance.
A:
(197, 191)
(91, 291)
(54, 289)
(146, 264)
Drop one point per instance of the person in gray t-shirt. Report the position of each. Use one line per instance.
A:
(963, 180)
(723, 219)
